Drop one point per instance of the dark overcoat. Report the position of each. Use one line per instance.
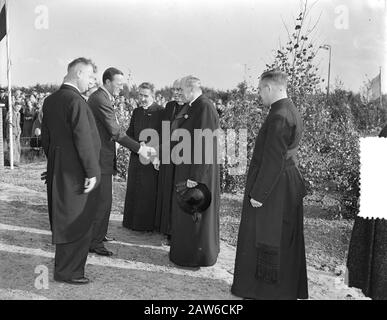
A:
(141, 191)
(196, 244)
(166, 172)
(71, 143)
(274, 180)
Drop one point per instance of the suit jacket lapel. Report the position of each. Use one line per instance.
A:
(110, 103)
(106, 96)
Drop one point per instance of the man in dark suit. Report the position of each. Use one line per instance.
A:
(101, 103)
(270, 259)
(195, 243)
(71, 143)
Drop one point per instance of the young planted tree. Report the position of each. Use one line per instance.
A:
(329, 151)
(297, 57)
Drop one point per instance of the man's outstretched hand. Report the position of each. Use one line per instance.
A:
(147, 152)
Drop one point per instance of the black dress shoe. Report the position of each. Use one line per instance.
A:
(107, 239)
(77, 281)
(190, 268)
(166, 241)
(101, 252)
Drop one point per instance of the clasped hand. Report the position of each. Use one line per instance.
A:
(89, 184)
(149, 153)
(255, 203)
(191, 183)
(146, 151)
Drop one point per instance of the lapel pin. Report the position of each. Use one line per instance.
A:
(186, 116)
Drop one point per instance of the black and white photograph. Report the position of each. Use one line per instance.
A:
(195, 150)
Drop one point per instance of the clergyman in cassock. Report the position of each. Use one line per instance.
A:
(270, 259)
(141, 192)
(195, 242)
(71, 143)
(110, 132)
(167, 167)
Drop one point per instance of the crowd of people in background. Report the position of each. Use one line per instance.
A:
(27, 117)
(26, 121)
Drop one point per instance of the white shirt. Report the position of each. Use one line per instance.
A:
(71, 85)
(190, 104)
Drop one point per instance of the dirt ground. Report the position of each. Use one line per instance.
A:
(139, 268)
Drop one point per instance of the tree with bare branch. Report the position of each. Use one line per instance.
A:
(296, 58)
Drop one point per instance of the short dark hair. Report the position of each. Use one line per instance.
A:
(276, 76)
(82, 60)
(110, 73)
(147, 85)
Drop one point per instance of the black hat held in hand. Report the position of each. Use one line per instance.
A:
(193, 200)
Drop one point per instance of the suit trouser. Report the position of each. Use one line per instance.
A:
(70, 258)
(103, 198)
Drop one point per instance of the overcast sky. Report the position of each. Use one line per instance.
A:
(161, 40)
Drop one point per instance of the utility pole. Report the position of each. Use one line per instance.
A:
(380, 88)
(328, 47)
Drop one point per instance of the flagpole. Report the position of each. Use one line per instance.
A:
(10, 107)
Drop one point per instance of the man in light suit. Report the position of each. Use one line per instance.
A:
(101, 103)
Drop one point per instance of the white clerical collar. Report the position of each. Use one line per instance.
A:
(190, 104)
(147, 107)
(109, 94)
(72, 85)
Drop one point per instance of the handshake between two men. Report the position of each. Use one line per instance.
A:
(149, 153)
